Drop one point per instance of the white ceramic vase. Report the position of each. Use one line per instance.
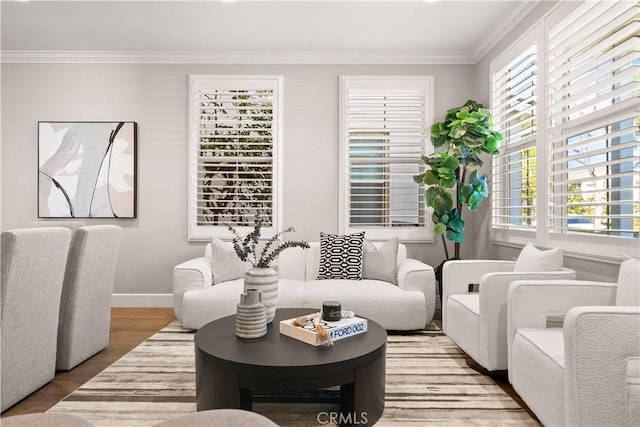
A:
(251, 316)
(266, 281)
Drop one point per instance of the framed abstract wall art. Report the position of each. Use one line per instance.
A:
(87, 169)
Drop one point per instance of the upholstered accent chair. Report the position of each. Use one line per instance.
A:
(586, 370)
(85, 308)
(33, 266)
(477, 320)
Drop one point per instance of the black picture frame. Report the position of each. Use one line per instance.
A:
(87, 169)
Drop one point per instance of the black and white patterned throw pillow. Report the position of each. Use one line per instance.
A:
(341, 256)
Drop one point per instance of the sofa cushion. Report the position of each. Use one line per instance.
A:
(380, 263)
(202, 306)
(549, 342)
(383, 302)
(536, 375)
(225, 263)
(470, 301)
(291, 263)
(463, 324)
(341, 256)
(533, 259)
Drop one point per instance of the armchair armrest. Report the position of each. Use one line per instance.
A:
(598, 341)
(493, 296)
(414, 275)
(529, 301)
(195, 273)
(458, 274)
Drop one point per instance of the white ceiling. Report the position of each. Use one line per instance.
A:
(416, 31)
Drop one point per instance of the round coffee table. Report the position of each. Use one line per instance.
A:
(229, 368)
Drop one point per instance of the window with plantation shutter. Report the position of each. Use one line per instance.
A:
(573, 176)
(384, 126)
(234, 144)
(514, 105)
(594, 111)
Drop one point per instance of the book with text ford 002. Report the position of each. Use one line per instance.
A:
(343, 328)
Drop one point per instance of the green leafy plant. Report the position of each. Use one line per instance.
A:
(246, 247)
(452, 177)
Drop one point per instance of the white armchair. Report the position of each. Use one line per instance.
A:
(33, 264)
(585, 372)
(85, 306)
(477, 321)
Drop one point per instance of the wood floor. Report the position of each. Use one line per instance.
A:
(129, 327)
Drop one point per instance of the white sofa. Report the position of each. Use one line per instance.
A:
(406, 306)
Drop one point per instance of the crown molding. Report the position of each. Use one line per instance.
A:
(328, 57)
(486, 43)
(483, 46)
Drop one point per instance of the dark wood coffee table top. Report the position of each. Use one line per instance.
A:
(218, 340)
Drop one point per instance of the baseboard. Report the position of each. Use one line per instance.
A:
(142, 300)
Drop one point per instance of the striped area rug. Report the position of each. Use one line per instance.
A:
(428, 383)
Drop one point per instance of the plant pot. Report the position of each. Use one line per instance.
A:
(264, 280)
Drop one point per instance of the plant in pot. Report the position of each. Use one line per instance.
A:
(452, 177)
(261, 275)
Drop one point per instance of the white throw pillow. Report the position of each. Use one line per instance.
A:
(225, 263)
(532, 259)
(380, 263)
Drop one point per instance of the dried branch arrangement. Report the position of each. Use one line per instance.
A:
(246, 247)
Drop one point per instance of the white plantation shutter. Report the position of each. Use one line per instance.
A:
(514, 104)
(593, 87)
(234, 145)
(385, 124)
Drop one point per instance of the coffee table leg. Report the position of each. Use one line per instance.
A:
(347, 401)
(216, 387)
(368, 392)
(246, 399)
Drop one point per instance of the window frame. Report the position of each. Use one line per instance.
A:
(411, 234)
(200, 81)
(583, 245)
(501, 231)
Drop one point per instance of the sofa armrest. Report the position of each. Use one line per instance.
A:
(598, 341)
(529, 301)
(458, 274)
(414, 275)
(493, 296)
(195, 273)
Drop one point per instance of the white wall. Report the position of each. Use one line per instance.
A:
(155, 96)
(588, 269)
